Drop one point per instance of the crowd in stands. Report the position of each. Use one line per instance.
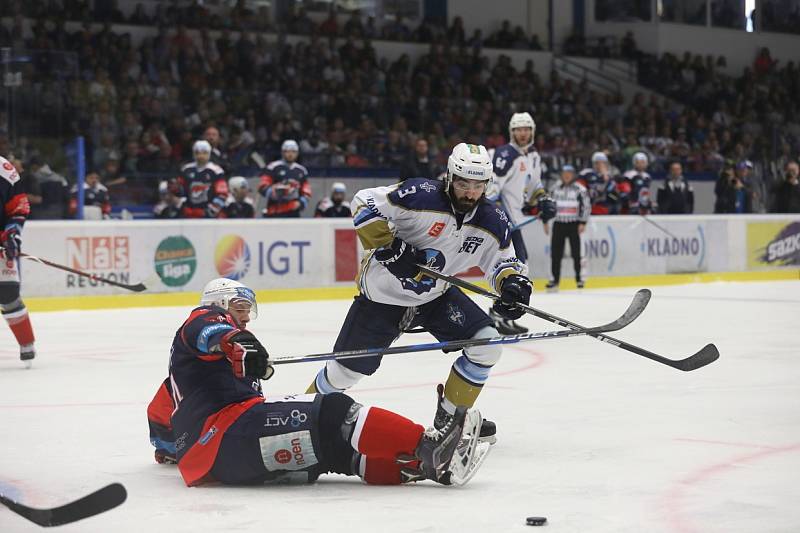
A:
(141, 108)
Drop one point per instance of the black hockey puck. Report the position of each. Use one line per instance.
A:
(535, 520)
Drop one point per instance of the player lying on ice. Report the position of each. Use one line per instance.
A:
(450, 227)
(210, 415)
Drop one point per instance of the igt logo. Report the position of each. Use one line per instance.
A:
(98, 253)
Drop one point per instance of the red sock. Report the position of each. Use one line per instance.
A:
(381, 471)
(20, 324)
(382, 433)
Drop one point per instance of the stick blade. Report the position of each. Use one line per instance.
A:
(636, 307)
(95, 503)
(707, 355)
(139, 287)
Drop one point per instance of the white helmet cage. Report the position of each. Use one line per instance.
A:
(223, 291)
(521, 120)
(469, 161)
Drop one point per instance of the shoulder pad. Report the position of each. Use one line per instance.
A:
(187, 166)
(9, 172)
(421, 194)
(504, 157)
(274, 164)
(301, 167)
(215, 167)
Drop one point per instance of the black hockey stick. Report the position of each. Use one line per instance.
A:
(708, 354)
(95, 503)
(630, 314)
(139, 287)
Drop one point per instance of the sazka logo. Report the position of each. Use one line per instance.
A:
(232, 257)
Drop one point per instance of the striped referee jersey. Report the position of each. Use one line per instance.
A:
(572, 202)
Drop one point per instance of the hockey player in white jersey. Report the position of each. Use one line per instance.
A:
(517, 183)
(450, 227)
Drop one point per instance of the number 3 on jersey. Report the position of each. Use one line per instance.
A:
(405, 192)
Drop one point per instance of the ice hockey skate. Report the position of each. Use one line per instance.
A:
(488, 429)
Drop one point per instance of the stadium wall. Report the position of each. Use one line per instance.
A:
(317, 259)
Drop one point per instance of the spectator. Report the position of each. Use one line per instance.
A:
(786, 194)
(675, 197)
(218, 155)
(418, 164)
(95, 195)
(285, 185)
(239, 203)
(628, 48)
(171, 200)
(54, 188)
(335, 205)
(732, 191)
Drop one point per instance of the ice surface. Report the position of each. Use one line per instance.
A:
(592, 437)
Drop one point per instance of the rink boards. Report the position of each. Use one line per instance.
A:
(316, 258)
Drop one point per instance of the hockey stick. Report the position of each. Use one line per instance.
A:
(708, 354)
(139, 287)
(659, 226)
(95, 503)
(630, 314)
(525, 223)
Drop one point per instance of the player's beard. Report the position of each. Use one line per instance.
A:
(464, 205)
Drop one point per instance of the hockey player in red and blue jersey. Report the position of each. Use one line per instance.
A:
(285, 185)
(211, 417)
(602, 185)
(203, 183)
(15, 211)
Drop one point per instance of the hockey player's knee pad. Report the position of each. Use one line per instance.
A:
(484, 355)
(336, 377)
(9, 297)
(337, 416)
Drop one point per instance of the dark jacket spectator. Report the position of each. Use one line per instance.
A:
(786, 194)
(54, 190)
(675, 197)
(733, 193)
(95, 194)
(418, 164)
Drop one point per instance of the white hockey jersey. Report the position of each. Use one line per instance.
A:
(517, 180)
(419, 212)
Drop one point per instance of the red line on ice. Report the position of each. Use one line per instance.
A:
(674, 498)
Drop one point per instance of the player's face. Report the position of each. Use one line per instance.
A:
(337, 197)
(466, 193)
(201, 158)
(290, 155)
(522, 135)
(640, 165)
(240, 311)
(240, 194)
(601, 167)
(567, 176)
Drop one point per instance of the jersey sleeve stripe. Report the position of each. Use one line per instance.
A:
(209, 331)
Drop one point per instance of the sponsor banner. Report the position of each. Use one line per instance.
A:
(773, 244)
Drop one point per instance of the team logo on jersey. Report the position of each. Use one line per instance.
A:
(436, 229)
(427, 187)
(471, 244)
(232, 257)
(434, 259)
(455, 314)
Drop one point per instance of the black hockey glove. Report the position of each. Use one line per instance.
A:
(400, 258)
(515, 289)
(547, 208)
(247, 355)
(11, 241)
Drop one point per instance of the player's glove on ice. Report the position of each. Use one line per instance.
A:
(515, 289)
(400, 258)
(547, 208)
(11, 241)
(247, 355)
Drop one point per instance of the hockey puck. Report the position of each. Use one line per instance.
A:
(535, 520)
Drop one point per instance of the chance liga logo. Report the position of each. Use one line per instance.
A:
(232, 257)
(175, 261)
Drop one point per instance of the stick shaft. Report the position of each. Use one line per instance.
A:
(139, 287)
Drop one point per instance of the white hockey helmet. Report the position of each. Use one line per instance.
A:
(238, 182)
(469, 161)
(521, 120)
(290, 145)
(338, 186)
(639, 156)
(223, 291)
(201, 146)
(599, 156)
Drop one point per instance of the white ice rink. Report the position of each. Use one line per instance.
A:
(592, 437)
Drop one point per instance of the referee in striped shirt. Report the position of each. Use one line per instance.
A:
(572, 212)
